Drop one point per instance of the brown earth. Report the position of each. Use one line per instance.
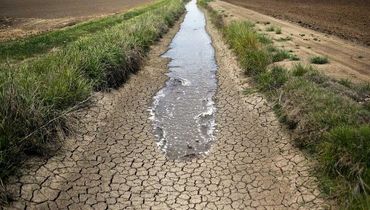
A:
(66, 8)
(346, 19)
(14, 28)
(347, 60)
(113, 161)
(20, 18)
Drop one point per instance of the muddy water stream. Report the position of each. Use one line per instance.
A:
(183, 111)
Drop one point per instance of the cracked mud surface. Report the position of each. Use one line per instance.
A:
(113, 161)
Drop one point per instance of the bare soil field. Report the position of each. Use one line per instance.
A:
(346, 19)
(66, 8)
(21, 18)
(347, 60)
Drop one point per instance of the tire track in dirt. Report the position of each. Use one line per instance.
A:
(113, 161)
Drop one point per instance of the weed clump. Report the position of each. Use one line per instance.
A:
(273, 79)
(299, 70)
(345, 82)
(270, 29)
(293, 57)
(280, 55)
(278, 30)
(319, 60)
(284, 39)
(245, 42)
(346, 149)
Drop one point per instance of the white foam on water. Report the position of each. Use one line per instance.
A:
(210, 123)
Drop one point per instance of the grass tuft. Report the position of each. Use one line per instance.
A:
(345, 82)
(319, 60)
(299, 70)
(345, 150)
(245, 42)
(270, 29)
(280, 55)
(273, 79)
(284, 39)
(293, 57)
(278, 30)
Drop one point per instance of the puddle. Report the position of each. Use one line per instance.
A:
(183, 112)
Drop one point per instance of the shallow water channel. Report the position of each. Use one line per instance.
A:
(183, 111)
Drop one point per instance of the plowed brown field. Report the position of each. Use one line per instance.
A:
(20, 18)
(344, 18)
(65, 8)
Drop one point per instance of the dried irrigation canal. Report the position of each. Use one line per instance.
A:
(113, 162)
(183, 110)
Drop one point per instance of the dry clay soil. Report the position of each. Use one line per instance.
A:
(19, 18)
(113, 162)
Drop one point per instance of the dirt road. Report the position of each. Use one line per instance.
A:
(113, 161)
(346, 59)
(346, 19)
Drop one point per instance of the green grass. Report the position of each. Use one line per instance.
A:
(319, 60)
(36, 94)
(272, 79)
(245, 42)
(203, 3)
(331, 118)
(293, 57)
(299, 70)
(278, 30)
(345, 82)
(284, 39)
(270, 29)
(20, 49)
(280, 55)
(346, 149)
(264, 39)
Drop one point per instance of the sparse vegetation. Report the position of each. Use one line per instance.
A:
(36, 94)
(319, 60)
(329, 118)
